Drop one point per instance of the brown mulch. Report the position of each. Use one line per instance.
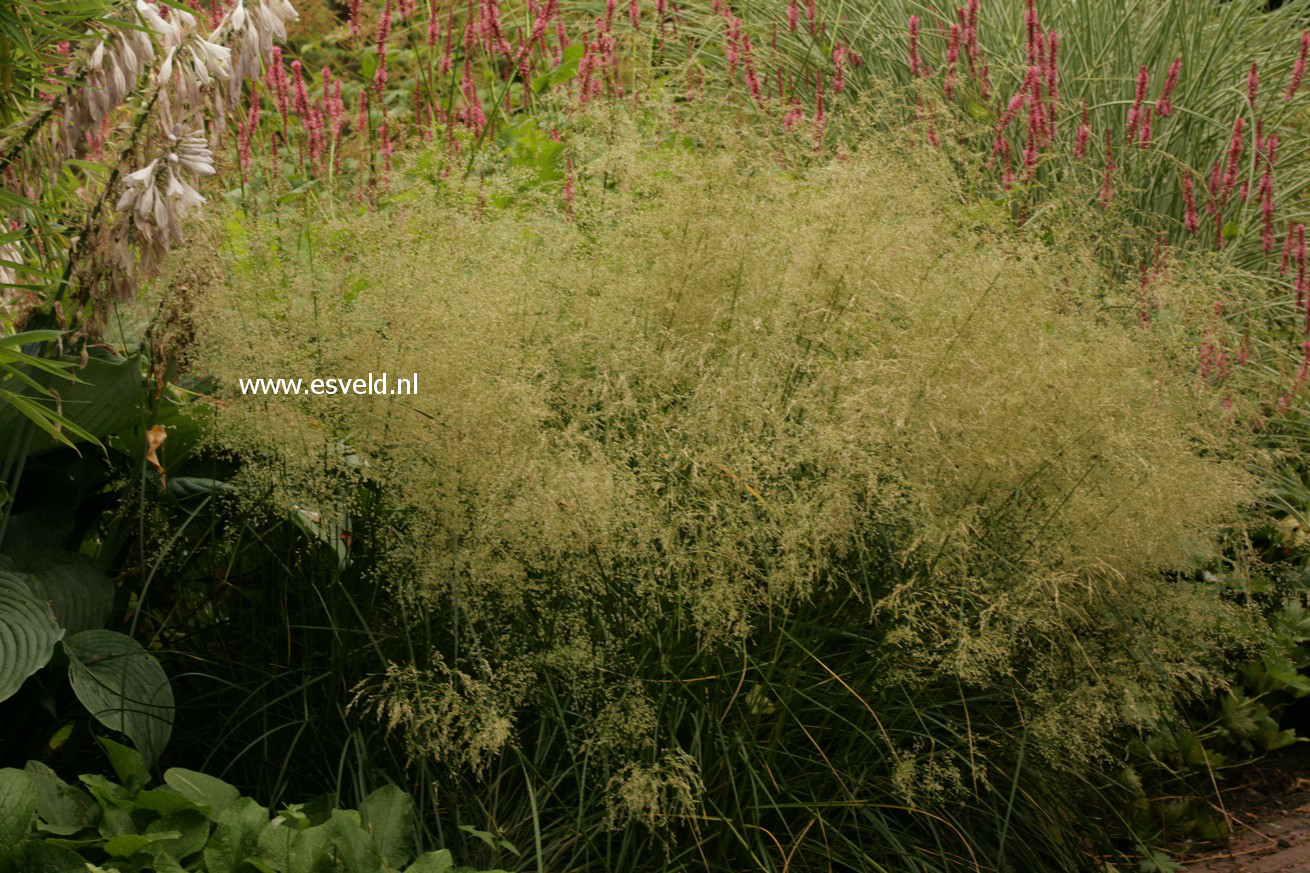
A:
(1269, 816)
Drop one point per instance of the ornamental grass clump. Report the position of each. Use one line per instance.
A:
(794, 514)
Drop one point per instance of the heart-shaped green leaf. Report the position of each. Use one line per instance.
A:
(123, 687)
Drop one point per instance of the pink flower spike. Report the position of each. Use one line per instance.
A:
(793, 15)
(1053, 69)
(1135, 114)
(1253, 82)
(916, 65)
(1190, 220)
(1084, 135)
(1235, 146)
(1164, 107)
(1298, 69)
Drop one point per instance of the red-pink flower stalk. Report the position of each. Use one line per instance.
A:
(634, 14)
(1148, 132)
(812, 16)
(354, 17)
(1235, 147)
(361, 123)
(472, 116)
(1190, 219)
(793, 15)
(1053, 69)
(1164, 107)
(1212, 205)
(384, 31)
(1135, 114)
(748, 65)
(1084, 135)
(952, 58)
(794, 115)
(1253, 82)
(916, 64)
(434, 29)
(302, 100)
(839, 52)
(384, 145)
(1298, 69)
(277, 81)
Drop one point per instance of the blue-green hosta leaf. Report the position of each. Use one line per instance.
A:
(388, 814)
(28, 633)
(17, 808)
(76, 589)
(123, 687)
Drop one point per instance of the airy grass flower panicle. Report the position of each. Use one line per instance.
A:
(1164, 106)
(1298, 69)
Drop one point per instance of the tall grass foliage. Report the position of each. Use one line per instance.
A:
(787, 515)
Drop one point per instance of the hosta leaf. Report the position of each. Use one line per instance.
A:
(388, 814)
(76, 589)
(28, 633)
(123, 687)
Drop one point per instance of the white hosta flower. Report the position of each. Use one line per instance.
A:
(183, 194)
(114, 67)
(166, 68)
(211, 59)
(192, 152)
(173, 31)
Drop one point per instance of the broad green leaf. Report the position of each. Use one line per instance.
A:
(17, 808)
(212, 793)
(28, 634)
(40, 856)
(388, 814)
(166, 801)
(76, 589)
(127, 845)
(191, 827)
(291, 850)
(123, 687)
(432, 862)
(236, 836)
(353, 845)
(58, 803)
(127, 763)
